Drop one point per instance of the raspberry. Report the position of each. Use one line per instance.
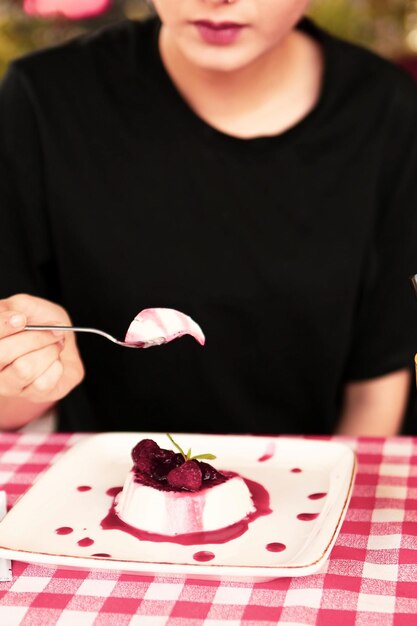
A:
(146, 448)
(165, 456)
(187, 476)
(210, 474)
(161, 468)
(144, 464)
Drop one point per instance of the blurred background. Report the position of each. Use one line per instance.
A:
(386, 26)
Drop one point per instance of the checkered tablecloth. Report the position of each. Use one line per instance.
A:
(369, 580)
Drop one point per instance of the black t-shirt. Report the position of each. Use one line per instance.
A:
(292, 252)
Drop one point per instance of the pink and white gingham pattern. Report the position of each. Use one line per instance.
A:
(369, 580)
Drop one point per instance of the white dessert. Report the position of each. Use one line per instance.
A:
(178, 512)
(153, 327)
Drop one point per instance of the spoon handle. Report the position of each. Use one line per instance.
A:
(77, 329)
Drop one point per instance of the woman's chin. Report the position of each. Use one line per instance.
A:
(219, 59)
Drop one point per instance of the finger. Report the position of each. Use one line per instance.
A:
(19, 344)
(8, 304)
(11, 322)
(48, 380)
(23, 371)
(36, 308)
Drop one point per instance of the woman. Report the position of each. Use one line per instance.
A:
(230, 160)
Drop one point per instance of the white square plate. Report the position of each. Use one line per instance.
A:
(290, 469)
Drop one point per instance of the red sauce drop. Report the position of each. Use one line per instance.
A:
(85, 542)
(296, 470)
(260, 498)
(269, 453)
(64, 530)
(307, 517)
(265, 457)
(101, 554)
(113, 491)
(276, 547)
(317, 496)
(203, 556)
(83, 488)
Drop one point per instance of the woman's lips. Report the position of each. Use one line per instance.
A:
(218, 33)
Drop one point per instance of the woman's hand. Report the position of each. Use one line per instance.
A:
(37, 368)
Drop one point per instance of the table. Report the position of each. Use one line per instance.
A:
(369, 580)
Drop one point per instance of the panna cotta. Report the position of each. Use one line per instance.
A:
(179, 512)
(172, 493)
(153, 327)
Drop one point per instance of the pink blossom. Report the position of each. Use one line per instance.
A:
(71, 9)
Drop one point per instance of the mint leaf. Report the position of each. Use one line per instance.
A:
(188, 457)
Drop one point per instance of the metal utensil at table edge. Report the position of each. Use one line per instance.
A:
(96, 331)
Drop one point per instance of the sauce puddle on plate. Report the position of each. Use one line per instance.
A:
(260, 497)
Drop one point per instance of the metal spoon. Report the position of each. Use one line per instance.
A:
(151, 327)
(78, 329)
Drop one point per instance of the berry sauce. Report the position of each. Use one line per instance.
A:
(83, 488)
(318, 495)
(307, 517)
(85, 542)
(275, 547)
(113, 491)
(265, 457)
(269, 452)
(203, 556)
(167, 470)
(103, 554)
(296, 470)
(64, 530)
(260, 498)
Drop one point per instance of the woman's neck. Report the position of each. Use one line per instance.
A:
(264, 98)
